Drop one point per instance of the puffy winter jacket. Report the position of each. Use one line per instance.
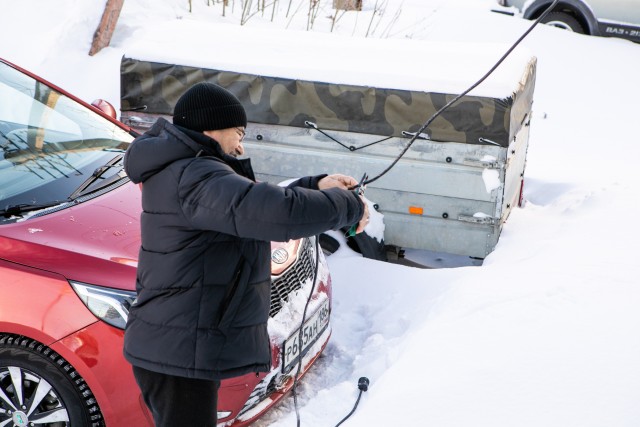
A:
(203, 278)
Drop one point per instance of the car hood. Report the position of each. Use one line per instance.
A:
(94, 242)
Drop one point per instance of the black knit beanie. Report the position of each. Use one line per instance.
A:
(206, 106)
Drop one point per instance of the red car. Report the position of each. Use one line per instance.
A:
(69, 240)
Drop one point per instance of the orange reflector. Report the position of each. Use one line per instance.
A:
(415, 210)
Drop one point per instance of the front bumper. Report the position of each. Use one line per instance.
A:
(96, 353)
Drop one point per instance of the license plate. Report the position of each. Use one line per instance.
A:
(292, 351)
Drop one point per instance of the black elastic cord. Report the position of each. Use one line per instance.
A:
(348, 147)
(454, 100)
(304, 316)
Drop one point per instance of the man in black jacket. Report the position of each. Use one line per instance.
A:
(203, 279)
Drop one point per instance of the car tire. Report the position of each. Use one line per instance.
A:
(564, 21)
(33, 374)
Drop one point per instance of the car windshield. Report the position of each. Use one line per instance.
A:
(50, 145)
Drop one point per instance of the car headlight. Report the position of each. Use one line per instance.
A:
(110, 305)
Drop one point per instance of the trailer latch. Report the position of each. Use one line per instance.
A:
(486, 164)
(480, 219)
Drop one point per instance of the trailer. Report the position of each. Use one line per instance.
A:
(454, 188)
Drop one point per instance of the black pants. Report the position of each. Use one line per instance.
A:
(178, 401)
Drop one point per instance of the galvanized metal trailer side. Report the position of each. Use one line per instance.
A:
(450, 193)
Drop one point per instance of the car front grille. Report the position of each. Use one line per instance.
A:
(292, 279)
(281, 287)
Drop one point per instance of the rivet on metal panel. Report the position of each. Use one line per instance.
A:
(449, 159)
(445, 215)
(259, 137)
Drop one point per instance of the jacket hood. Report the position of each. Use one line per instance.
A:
(160, 146)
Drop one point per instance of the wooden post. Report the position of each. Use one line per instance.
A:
(102, 36)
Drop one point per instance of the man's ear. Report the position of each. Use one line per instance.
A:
(210, 133)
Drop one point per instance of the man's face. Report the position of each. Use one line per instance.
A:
(229, 139)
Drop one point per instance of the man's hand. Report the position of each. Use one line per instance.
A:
(346, 182)
(337, 180)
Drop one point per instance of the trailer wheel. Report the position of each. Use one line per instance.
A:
(565, 21)
(38, 387)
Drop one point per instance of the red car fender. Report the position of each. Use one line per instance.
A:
(107, 373)
(51, 311)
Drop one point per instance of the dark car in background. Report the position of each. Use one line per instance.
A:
(608, 18)
(69, 240)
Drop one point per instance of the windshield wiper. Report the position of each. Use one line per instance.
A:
(21, 208)
(97, 174)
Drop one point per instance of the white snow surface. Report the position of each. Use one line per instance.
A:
(546, 332)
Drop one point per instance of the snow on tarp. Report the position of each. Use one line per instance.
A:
(365, 86)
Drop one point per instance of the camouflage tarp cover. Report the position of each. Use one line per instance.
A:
(153, 88)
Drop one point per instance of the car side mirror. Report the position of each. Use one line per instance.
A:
(105, 107)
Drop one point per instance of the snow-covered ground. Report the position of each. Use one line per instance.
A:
(547, 331)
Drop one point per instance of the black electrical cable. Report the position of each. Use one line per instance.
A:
(363, 385)
(363, 382)
(304, 316)
(454, 100)
(352, 410)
